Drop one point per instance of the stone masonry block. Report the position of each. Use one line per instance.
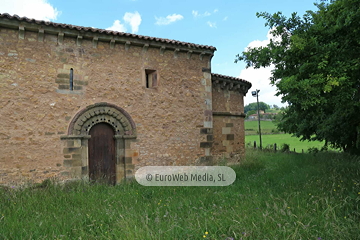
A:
(61, 70)
(208, 124)
(79, 82)
(68, 163)
(76, 156)
(70, 143)
(226, 130)
(130, 166)
(206, 160)
(120, 167)
(77, 143)
(71, 163)
(76, 171)
(206, 144)
(71, 150)
(129, 153)
(62, 80)
(120, 176)
(208, 70)
(207, 151)
(64, 86)
(128, 160)
(206, 130)
(230, 137)
(127, 144)
(225, 143)
(64, 75)
(208, 113)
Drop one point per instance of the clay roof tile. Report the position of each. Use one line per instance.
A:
(80, 28)
(230, 78)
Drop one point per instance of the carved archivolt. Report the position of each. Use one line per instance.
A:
(109, 113)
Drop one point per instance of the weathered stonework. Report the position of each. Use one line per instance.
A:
(228, 116)
(45, 126)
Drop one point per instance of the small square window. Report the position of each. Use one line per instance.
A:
(151, 79)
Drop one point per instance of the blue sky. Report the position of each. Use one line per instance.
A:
(228, 25)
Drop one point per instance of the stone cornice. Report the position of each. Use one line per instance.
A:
(230, 83)
(23, 25)
(231, 114)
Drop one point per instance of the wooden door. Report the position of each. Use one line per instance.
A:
(102, 153)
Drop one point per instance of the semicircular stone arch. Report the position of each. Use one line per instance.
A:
(109, 113)
(75, 143)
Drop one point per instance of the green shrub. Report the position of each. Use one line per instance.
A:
(285, 147)
(269, 148)
(313, 150)
(275, 131)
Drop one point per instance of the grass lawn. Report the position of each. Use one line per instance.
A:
(280, 139)
(275, 196)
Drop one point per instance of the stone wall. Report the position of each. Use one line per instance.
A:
(228, 119)
(36, 105)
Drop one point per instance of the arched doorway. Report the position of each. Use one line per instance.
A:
(99, 144)
(102, 165)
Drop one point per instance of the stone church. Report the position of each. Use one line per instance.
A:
(92, 103)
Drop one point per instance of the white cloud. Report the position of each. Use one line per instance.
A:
(260, 79)
(211, 24)
(225, 18)
(216, 10)
(117, 26)
(197, 14)
(134, 20)
(168, 19)
(38, 9)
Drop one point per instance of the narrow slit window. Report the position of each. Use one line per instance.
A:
(151, 79)
(71, 79)
(147, 80)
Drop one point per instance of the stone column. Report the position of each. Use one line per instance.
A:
(75, 152)
(120, 157)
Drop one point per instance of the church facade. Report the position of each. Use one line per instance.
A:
(85, 102)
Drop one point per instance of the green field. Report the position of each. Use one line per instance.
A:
(267, 129)
(272, 110)
(275, 196)
(252, 127)
(280, 139)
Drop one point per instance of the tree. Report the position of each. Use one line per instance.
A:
(278, 118)
(317, 71)
(276, 107)
(253, 106)
(251, 112)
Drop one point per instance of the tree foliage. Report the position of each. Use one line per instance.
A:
(276, 107)
(253, 106)
(251, 112)
(317, 71)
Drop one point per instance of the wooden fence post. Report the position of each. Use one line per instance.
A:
(274, 147)
(254, 144)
